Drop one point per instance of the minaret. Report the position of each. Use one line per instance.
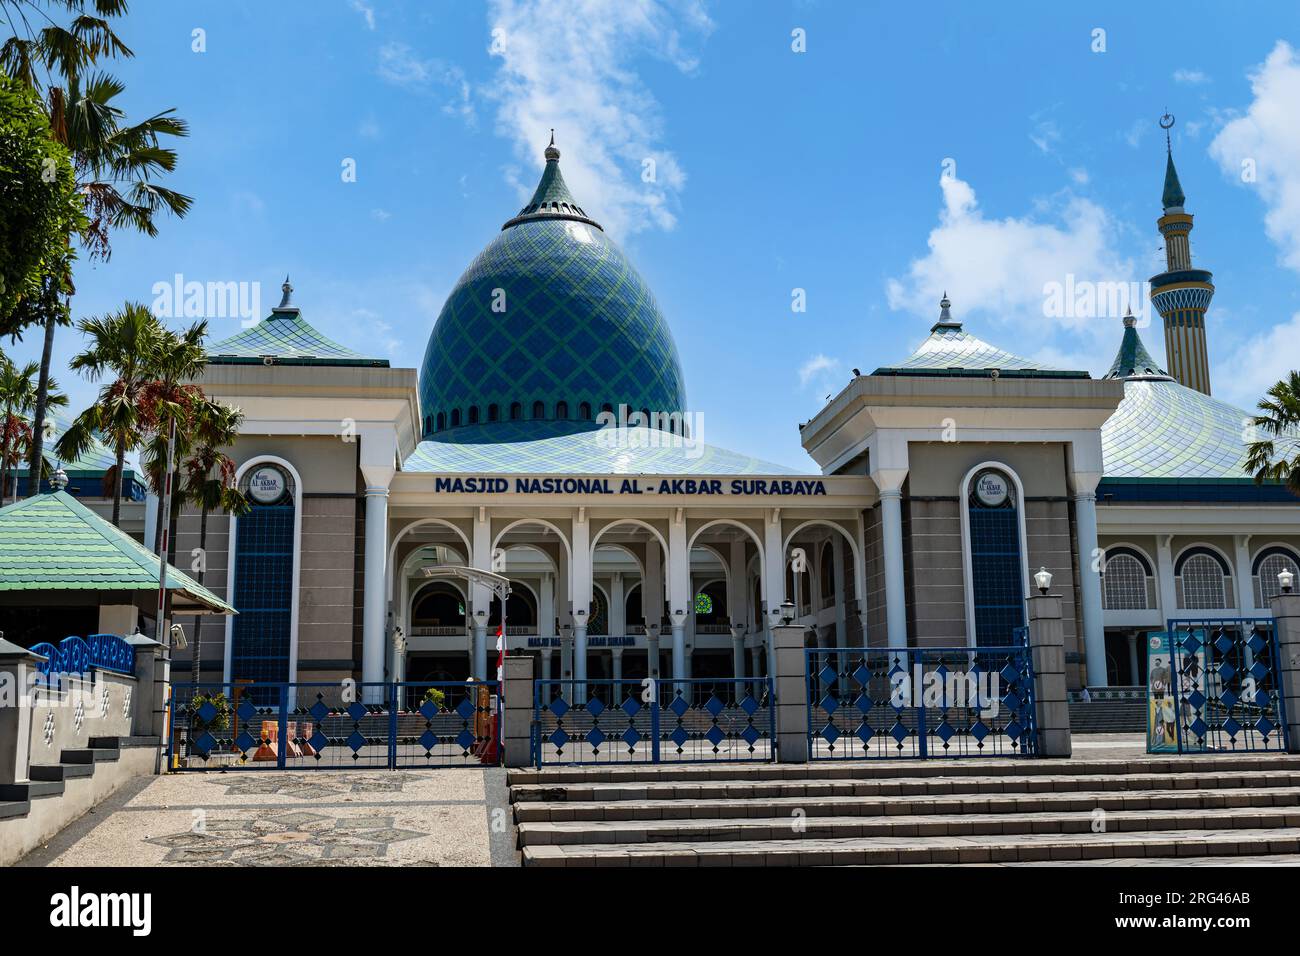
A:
(1181, 294)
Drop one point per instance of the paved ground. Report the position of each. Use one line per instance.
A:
(450, 817)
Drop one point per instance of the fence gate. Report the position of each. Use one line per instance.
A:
(333, 726)
(880, 703)
(652, 721)
(1228, 696)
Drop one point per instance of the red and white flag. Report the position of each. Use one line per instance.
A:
(501, 657)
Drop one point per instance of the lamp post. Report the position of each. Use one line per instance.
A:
(1043, 580)
(1285, 580)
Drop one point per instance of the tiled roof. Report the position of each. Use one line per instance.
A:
(951, 350)
(289, 340)
(53, 542)
(1165, 430)
(1133, 357)
(561, 448)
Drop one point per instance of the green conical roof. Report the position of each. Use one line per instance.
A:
(552, 199)
(1173, 197)
(1133, 357)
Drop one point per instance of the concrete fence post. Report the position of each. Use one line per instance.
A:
(16, 672)
(517, 714)
(1285, 609)
(1047, 653)
(149, 710)
(790, 690)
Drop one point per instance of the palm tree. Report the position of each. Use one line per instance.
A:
(170, 398)
(17, 398)
(210, 485)
(127, 345)
(1281, 419)
(116, 163)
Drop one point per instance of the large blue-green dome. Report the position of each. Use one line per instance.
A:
(550, 322)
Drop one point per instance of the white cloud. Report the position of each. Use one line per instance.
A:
(999, 267)
(1267, 137)
(1190, 77)
(381, 215)
(1136, 132)
(399, 65)
(816, 368)
(1251, 368)
(366, 11)
(571, 65)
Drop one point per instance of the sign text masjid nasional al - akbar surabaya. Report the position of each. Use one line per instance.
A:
(630, 486)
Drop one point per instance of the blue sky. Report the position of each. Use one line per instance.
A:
(775, 170)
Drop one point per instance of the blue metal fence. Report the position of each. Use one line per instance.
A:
(1228, 695)
(652, 721)
(74, 655)
(333, 726)
(919, 702)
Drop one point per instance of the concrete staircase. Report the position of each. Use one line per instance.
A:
(1150, 809)
(1113, 716)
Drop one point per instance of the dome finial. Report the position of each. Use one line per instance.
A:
(1130, 320)
(946, 321)
(552, 154)
(287, 291)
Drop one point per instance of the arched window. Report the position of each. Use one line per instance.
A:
(995, 593)
(828, 571)
(516, 411)
(494, 413)
(1267, 564)
(455, 418)
(562, 411)
(1202, 579)
(473, 414)
(428, 424)
(607, 408)
(539, 410)
(1126, 581)
(442, 420)
(584, 411)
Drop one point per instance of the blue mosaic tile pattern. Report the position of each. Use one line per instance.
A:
(290, 339)
(550, 311)
(567, 448)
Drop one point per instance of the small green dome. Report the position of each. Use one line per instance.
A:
(549, 322)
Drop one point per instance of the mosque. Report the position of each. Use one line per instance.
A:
(546, 437)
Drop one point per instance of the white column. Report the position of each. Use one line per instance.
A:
(617, 606)
(652, 651)
(738, 656)
(773, 579)
(841, 610)
(481, 597)
(652, 588)
(546, 606)
(616, 674)
(547, 672)
(891, 528)
(1165, 578)
(1241, 576)
(679, 592)
(1133, 655)
(580, 662)
(737, 602)
(1094, 632)
(373, 611)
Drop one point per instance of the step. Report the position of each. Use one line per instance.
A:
(929, 786)
(1169, 845)
(32, 790)
(60, 771)
(926, 825)
(90, 755)
(881, 769)
(14, 808)
(117, 743)
(631, 810)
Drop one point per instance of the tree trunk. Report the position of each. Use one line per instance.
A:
(36, 461)
(195, 654)
(120, 458)
(4, 455)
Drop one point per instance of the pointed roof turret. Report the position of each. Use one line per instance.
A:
(552, 199)
(1133, 360)
(285, 338)
(946, 321)
(1173, 197)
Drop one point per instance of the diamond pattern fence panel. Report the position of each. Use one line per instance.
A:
(881, 703)
(652, 721)
(1228, 694)
(334, 726)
